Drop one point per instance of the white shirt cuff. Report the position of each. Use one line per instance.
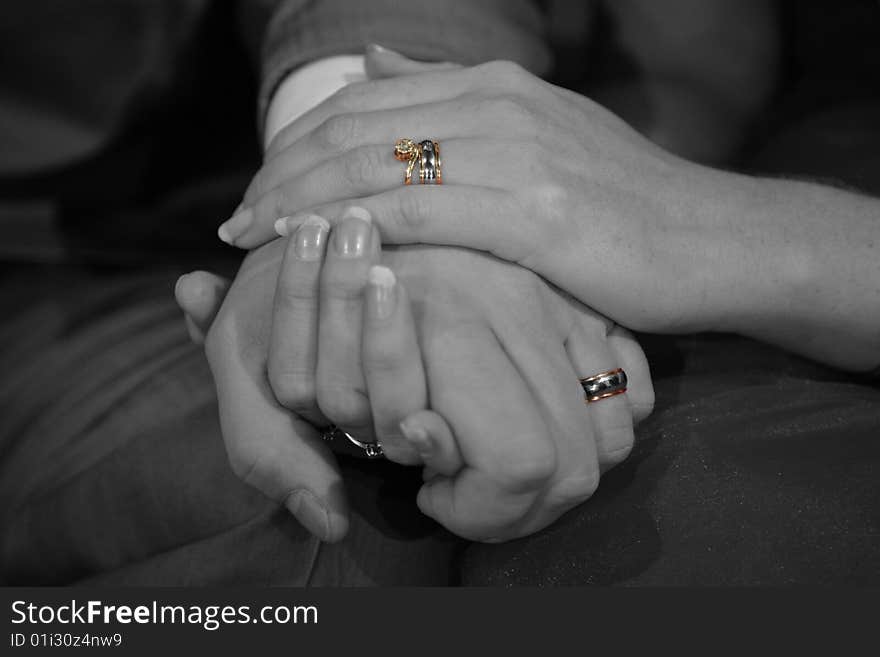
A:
(307, 87)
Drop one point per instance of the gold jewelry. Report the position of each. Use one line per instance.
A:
(406, 150)
(604, 385)
(426, 154)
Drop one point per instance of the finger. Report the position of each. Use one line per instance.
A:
(269, 447)
(293, 346)
(502, 437)
(432, 438)
(200, 295)
(612, 417)
(392, 363)
(368, 170)
(640, 388)
(346, 132)
(441, 215)
(341, 388)
(402, 91)
(381, 62)
(546, 368)
(497, 141)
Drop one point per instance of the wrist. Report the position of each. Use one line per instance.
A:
(808, 282)
(765, 271)
(733, 264)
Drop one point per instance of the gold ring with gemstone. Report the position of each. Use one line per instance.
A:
(426, 154)
(406, 150)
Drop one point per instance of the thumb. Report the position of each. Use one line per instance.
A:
(380, 62)
(200, 295)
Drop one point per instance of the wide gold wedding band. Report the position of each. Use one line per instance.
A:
(425, 154)
(604, 385)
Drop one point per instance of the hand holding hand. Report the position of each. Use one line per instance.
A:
(561, 187)
(501, 361)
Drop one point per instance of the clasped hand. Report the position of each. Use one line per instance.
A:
(452, 359)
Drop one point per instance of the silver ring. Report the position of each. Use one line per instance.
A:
(430, 172)
(604, 385)
(371, 450)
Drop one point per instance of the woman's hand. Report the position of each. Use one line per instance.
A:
(527, 444)
(502, 354)
(561, 187)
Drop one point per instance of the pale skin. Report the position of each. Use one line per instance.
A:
(485, 374)
(703, 250)
(651, 240)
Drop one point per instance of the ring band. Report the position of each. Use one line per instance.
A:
(371, 450)
(426, 154)
(604, 385)
(430, 172)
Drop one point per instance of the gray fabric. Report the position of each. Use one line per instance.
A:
(460, 31)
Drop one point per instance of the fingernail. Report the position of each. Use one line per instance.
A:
(382, 292)
(417, 436)
(357, 212)
(375, 47)
(234, 228)
(287, 225)
(309, 238)
(281, 227)
(352, 237)
(310, 512)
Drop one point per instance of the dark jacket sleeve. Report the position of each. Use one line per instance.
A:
(464, 31)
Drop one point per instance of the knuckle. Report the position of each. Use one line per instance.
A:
(381, 358)
(536, 152)
(293, 390)
(553, 201)
(527, 469)
(509, 108)
(337, 132)
(342, 406)
(577, 488)
(297, 295)
(359, 167)
(617, 446)
(348, 98)
(342, 284)
(504, 70)
(414, 208)
(276, 203)
(618, 455)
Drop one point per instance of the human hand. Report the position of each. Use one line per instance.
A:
(537, 437)
(562, 187)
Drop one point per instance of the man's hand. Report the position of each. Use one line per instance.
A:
(502, 354)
